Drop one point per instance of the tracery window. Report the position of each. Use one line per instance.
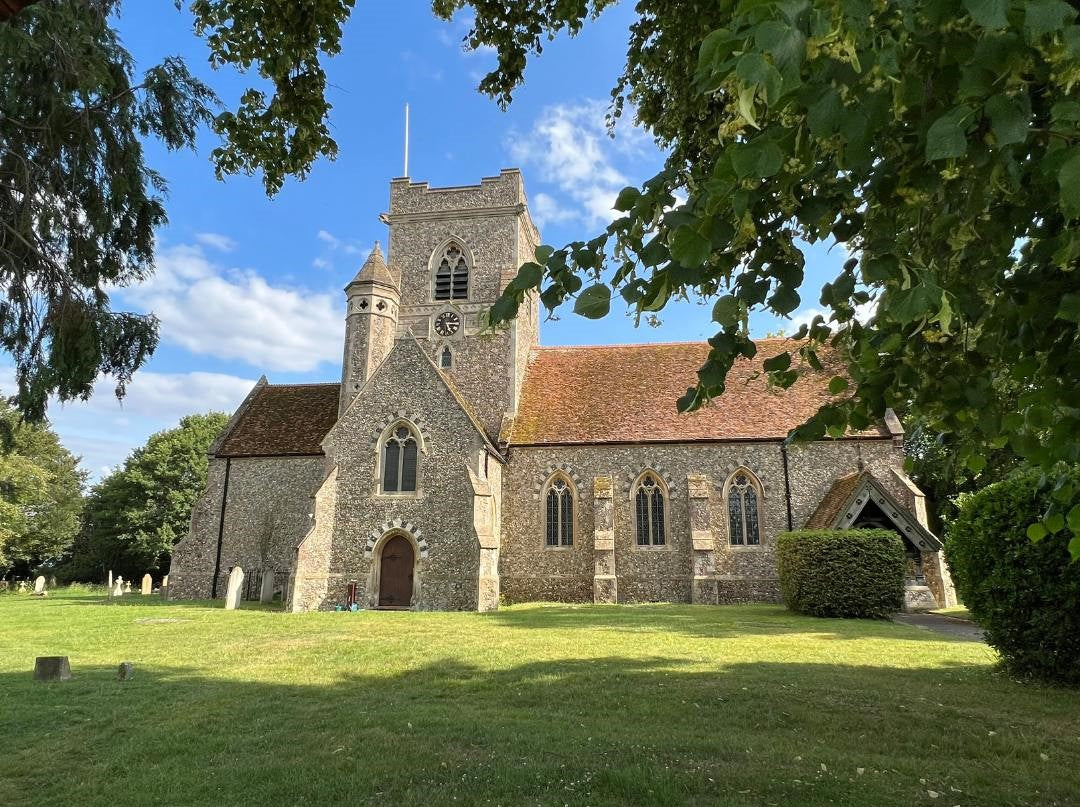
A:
(559, 513)
(452, 274)
(744, 513)
(649, 510)
(399, 461)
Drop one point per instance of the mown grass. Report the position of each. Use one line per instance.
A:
(533, 705)
(956, 612)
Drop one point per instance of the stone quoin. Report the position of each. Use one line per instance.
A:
(457, 465)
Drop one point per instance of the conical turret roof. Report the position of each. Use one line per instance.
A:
(374, 269)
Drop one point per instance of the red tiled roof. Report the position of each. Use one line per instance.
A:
(283, 419)
(627, 393)
(834, 502)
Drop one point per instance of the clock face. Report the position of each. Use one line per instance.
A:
(447, 323)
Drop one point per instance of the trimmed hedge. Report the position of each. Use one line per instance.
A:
(1024, 594)
(847, 573)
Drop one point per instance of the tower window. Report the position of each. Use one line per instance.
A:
(452, 275)
(446, 359)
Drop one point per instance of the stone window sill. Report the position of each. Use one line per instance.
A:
(560, 548)
(652, 547)
(406, 496)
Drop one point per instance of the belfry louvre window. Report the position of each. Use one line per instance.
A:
(560, 514)
(399, 462)
(649, 512)
(452, 275)
(743, 526)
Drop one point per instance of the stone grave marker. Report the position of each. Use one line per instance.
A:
(147, 584)
(236, 584)
(110, 584)
(118, 587)
(266, 593)
(126, 671)
(39, 585)
(165, 587)
(127, 587)
(52, 668)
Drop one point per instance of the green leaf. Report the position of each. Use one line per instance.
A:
(1069, 308)
(1069, 182)
(1036, 531)
(626, 199)
(746, 104)
(543, 252)
(837, 384)
(689, 247)
(785, 43)
(976, 463)
(529, 275)
(947, 136)
(1055, 522)
(825, 114)
(758, 158)
(988, 13)
(785, 299)
(1073, 519)
(1074, 548)
(777, 363)
(594, 302)
(1047, 16)
(1008, 119)
(726, 311)
(753, 69)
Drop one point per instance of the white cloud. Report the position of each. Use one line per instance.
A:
(547, 210)
(329, 238)
(571, 149)
(222, 243)
(237, 314)
(863, 313)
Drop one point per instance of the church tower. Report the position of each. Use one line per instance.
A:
(370, 324)
(453, 251)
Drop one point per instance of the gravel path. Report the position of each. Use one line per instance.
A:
(960, 629)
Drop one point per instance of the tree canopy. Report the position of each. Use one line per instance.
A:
(136, 514)
(40, 495)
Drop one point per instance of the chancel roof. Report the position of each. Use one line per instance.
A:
(282, 420)
(627, 394)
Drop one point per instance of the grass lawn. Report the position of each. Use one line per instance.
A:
(955, 611)
(533, 705)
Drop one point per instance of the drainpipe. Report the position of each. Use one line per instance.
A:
(221, 529)
(787, 485)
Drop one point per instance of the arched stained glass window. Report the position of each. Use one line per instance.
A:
(452, 275)
(399, 462)
(744, 528)
(559, 514)
(649, 512)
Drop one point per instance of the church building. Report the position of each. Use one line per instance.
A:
(456, 466)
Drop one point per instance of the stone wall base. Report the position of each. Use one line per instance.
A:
(704, 590)
(605, 588)
(918, 599)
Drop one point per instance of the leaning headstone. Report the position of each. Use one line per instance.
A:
(126, 671)
(147, 584)
(118, 587)
(52, 668)
(39, 584)
(232, 593)
(266, 593)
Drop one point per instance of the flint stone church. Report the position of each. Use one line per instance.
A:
(456, 467)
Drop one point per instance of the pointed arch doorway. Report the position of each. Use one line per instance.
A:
(396, 562)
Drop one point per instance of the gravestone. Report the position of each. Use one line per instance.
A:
(127, 587)
(147, 584)
(266, 593)
(165, 587)
(126, 671)
(118, 587)
(110, 581)
(39, 584)
(232, 593)
(52, 668)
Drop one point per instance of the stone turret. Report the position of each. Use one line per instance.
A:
(370, 324)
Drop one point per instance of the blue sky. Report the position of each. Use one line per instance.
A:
(247, 285)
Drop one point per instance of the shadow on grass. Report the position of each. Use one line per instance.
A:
(706, 622)
(607, 731)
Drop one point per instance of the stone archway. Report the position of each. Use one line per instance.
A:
(397, 561)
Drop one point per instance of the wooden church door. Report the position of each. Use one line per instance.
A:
(396, 573)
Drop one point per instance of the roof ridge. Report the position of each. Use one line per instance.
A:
(701, 342)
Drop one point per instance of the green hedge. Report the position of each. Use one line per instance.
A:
(848, 573)
(1025, 595)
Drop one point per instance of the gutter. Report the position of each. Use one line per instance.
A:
(787, 485)
(221, 529)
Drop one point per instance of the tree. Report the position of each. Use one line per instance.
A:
(135, 515)
(40, 495)
(79, 205)
(937, 140)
